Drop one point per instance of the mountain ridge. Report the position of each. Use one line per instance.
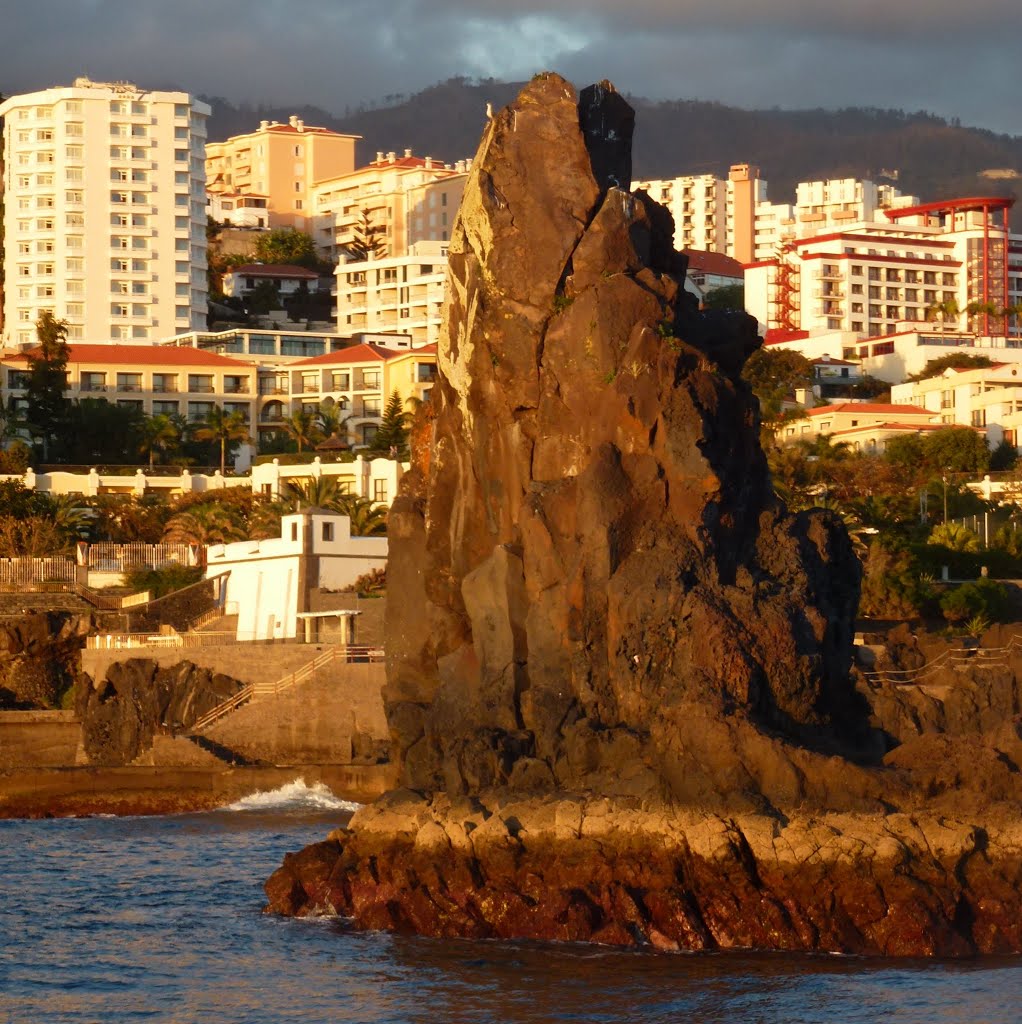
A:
(933, 157)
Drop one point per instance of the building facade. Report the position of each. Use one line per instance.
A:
(396, 294)
(274, 169)
(406, 199)
(937, 262)
(104, 221)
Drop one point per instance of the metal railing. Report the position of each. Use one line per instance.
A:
(954, 657)
(252, 690)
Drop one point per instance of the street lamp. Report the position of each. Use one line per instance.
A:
(943, 479)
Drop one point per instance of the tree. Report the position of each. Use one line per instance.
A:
(160, 433)
(392, 436)
(774, 374)
(223, 428)
(954, 537)
(99, 431)
(211, 523)
(366, 517)
(942, 312)
(729, 296)
(288, 246)
(330, 421)
(47, 382)
(263, 297)
(954, 360)
(302, 427)
(312, 492)
(956, 450)
(368, 241)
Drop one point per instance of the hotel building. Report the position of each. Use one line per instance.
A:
(273, 169)
(104, 221)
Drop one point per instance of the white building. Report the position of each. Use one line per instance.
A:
(396, 294)
(989, 399)
(271, 581)
(927, 262)
(697, 204)
(104, 221)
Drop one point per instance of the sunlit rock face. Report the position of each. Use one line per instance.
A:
(617, 667)
(589, 558)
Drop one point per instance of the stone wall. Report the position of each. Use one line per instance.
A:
(38, 739)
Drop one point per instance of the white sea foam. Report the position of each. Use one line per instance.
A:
(294, 796)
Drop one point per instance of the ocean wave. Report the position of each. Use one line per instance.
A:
(294, 796)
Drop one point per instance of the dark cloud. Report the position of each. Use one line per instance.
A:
(955, 59)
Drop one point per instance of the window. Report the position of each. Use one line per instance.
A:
(328, 532)
(380, 491)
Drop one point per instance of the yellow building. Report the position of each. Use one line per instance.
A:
(104, 217)
(407, 198)
(279, 164)
(153, 380)
(864, 426)
(359, 380)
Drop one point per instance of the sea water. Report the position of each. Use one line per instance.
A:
(159, 919)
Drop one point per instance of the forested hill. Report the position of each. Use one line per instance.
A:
(931, 157)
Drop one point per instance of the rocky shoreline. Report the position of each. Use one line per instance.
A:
(594, 870)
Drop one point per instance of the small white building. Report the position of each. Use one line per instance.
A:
(272, 581)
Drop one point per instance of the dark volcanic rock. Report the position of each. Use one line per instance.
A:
(594, 549)
(618, 678)
(138, 699)
(39, 657)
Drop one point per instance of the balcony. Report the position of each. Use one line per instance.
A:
(200, 389)
(91, 386)
(240, 388)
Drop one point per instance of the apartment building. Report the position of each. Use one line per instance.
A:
(274, 168)
(925, 262)
(865, 426)
(406, 199)
(698, 205)
(358, 380)
(150, 379)
(396, 294)
(988, 398)
(104, 220)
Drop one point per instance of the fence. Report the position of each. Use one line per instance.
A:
(20, 573)
(106, 557)
(954, 657)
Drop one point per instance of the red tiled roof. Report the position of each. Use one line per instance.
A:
(364, 353)
(889, 426)
(144, 355)
(275, 270)
(870, 408)
(705, 262)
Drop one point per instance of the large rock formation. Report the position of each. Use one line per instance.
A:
(618, 673)
(139, 700)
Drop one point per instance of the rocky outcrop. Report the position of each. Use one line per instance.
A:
(618, 676)
(139, 699)
(39, 657)
(599, 871)
(593, 559)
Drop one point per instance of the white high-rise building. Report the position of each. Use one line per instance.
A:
(105, 221)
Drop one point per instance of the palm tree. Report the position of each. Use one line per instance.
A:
(366, 518)
(954, 536)
(330, 421)
(160, 433)
(982, 309)
(302, 428)
(264, 522)
(211, 523)
(312, 492)
(225, 427)
(942, 311)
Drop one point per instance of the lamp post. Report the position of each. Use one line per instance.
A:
(943, 479)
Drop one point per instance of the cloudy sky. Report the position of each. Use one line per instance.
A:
(953, 58)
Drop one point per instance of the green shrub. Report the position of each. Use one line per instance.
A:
(160, 582)
(984, 599)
